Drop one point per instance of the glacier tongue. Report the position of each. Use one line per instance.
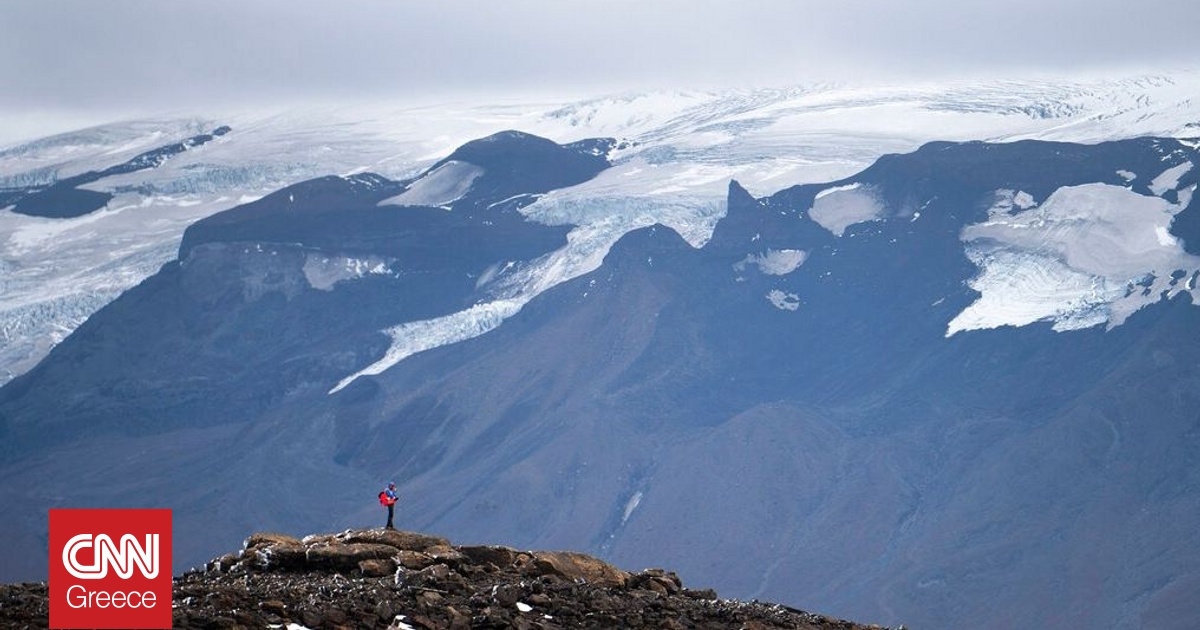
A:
(54, 273)
(601, 223)
(413, 337)
(1089, 255)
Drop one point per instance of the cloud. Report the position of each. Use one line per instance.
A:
(147, 55)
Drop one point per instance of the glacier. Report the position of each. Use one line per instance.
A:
(413, 337)
(440, 187)
(1088, 255)
(774, 262)
(836, 209)
(678, 151)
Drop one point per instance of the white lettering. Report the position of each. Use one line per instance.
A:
(107, 553)
(81, 602)
(103, 599)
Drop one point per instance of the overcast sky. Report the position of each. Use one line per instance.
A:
(93, 59)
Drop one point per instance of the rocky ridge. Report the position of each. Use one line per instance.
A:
(399, 580)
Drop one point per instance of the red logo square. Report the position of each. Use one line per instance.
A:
(110, 568)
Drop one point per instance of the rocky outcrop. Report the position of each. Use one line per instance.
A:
(397, 580)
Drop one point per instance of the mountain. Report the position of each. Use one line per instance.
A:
(955, 388)
(677, 153)
(403, 580)
(303, 280)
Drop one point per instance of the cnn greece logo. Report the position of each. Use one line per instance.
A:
(108, 553)
(110, 568)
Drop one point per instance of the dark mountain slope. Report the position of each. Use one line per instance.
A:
(662, 404)
(515, 163)
(917, 491)
(785, 398)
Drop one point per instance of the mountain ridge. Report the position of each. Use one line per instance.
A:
(689, 143)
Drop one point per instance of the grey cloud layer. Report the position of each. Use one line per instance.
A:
(152, 54)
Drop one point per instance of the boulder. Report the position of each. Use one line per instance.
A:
(398, 539)
(435, 573)
(273, 606)
(577, 566)
(345, 557)
(223, 563)
(448, 556)
(500, 557)
(379, 567)
(657, 580)
(704, 593)
(507, 594)
(264, 539)
(281, 556)
(413, 560)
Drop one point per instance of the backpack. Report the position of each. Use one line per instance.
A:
(383, 497)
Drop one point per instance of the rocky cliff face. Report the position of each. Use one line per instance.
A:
(402, 580)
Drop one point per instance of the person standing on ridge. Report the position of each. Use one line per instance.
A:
(389, 497)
